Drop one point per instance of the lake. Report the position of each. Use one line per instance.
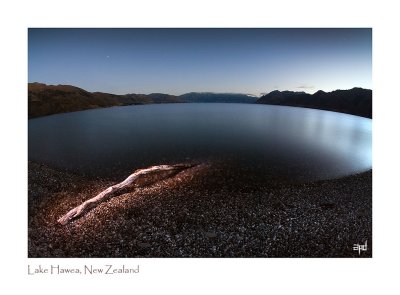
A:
(261, 141)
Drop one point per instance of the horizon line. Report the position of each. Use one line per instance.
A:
(211, 92)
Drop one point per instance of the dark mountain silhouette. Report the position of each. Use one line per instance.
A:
(356, 101)
(218, 97)
(53, 99)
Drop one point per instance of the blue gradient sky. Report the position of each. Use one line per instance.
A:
(177, 61)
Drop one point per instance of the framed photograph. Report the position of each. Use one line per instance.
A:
(199, 143)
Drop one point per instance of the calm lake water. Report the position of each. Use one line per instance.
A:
(270, 142)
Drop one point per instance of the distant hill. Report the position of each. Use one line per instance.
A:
(161, 97)
(356, 101)
(218, 97)
(53, 99)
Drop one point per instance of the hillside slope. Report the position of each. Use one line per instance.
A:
(53, 99)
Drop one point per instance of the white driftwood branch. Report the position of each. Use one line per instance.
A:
(79, 210)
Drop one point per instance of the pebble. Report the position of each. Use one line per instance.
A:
(210, 234)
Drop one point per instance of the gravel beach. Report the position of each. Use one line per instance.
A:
(201, 212)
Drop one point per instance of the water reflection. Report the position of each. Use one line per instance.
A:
(294, 143)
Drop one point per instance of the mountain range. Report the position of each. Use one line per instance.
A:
(218, 97)
(53, 99)
(356, 101)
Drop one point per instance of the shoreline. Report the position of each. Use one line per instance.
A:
(197, 213)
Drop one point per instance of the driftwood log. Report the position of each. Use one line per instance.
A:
(132, 179)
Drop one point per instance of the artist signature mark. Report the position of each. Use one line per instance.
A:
(360, 247)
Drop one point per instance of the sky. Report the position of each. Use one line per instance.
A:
(177, 61)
